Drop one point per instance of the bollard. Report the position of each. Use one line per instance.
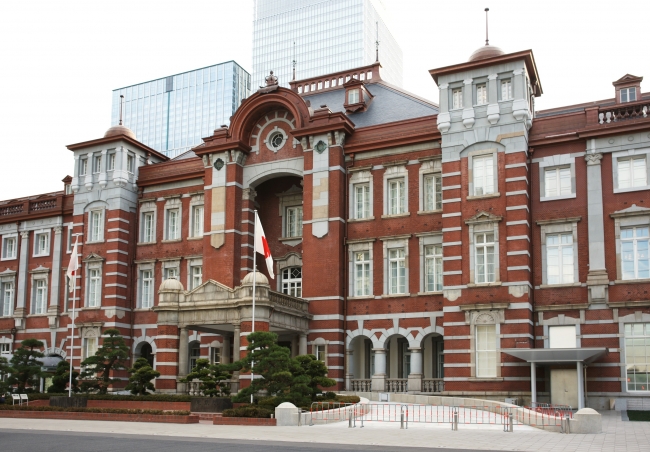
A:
(350, 421)
(454, 424)
(567, 429)
(510, 419)
(401, 424)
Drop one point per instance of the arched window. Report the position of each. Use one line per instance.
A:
(147, 353)
(292, 281)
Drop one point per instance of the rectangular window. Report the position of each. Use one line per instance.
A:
(294, 222)
(506, 89)
(130, 163)
(4, 349)
(216, 356)
(173, 224)
(171, 273)
(42, 244)
(484, 248)
(481, 94)
(486, 351)
(196, 273)
(9, 247)
(432, 192)
(97, 164)
(83, 167)
(637, 356)
(7, 298)
(362, 273)
(40, 298)
(557, 182)
(90, 347)
(353, 96)
(628, 94)
(197, 221)
(110, 166)
(96, 226)
(362, 200)
(635, 263)
(396, 271)
(292, 281)
(396, 197)
(433, 268)
(457, 98)
(483, 169)
(69, 239)
(148, 227)
(147, 288)
(632, 172)
(559, 259)
(320, 352)
(94, 288)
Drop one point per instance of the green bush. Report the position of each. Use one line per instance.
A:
(248, 411)
(329, 395)
(269, 402)
(348, 399)
(91, 410)
(148, 398)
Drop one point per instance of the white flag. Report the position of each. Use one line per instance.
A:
(73, 266)
(262, 246)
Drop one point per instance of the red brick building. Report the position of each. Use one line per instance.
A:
(453, 248)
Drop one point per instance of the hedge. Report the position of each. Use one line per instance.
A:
(91, 410)
(147, 398)
(248, 411)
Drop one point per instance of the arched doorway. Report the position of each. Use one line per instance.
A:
(433, 363)
(146, 352)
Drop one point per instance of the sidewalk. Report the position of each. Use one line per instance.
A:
(617, 435)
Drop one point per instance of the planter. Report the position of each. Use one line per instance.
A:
(210, 404)
(80, 416)
(259, 421)
(139, 405)
(69, 402)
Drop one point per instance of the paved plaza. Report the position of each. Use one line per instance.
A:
(617, 435)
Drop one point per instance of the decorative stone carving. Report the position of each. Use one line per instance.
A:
(518, 291)
(452, 294)
(593, 159)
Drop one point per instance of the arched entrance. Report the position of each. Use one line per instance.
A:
(433, 363)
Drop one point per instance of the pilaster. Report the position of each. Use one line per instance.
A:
(597, 279)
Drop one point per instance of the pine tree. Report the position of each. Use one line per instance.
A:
(140, 377)
(4, 372)
(214, 379)
(25, 369)
(61, 378)
(111, 357)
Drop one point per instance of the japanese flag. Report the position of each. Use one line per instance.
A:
(262, 246)
(73, 267)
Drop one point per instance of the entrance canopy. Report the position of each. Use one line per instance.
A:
(556, 355)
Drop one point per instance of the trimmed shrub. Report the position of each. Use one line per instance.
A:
(147, 398)
(91, 410)
(248, 411)
(348, 399)
(269, 402)
(329, 395)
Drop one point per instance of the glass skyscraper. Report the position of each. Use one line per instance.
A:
(172, 114)
(329, 36)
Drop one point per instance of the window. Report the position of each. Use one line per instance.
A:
(7, 299)
(215, 357)
(432, 192)
(173, 224)
(40, 297)
(42, 244)
(486, 351)
(484, 252)
(397, 271)
(353, 96)
(83, 167)
(197, 221)
(147, 288)
(9, 247)
(457, 98)
(148, 227)
(362, 201)
(196, 275)
(557, 182)
(294, 222)
(5, 348)
(632, 172)
(563, 336)
(94, 288)
(90, 347)
(362, 280)
(637, 356)
(506, 89)
(481, 94)
(96, 226)
(69, 240)
(559, 259)
(97, 164)
(483, 169)
(628, 94)
(195, 354)
(319, 351)
(130, 163)
(634, 253)
(111, 162)
(171, 273)
(433, 268)
(292, 281)
(396, 197)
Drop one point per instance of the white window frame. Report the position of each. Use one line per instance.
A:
(485, 176)
(393, 173)
(640, 334)
(354, 247)
(7, 293)
(628, 91)
(425, 240)
(147, 283)
(130, 163)
(192, 264)
(94, 288)
(486, 349)
(483, 223)
(556, 162)
(171, 269)
(110, 162)
(430, 167)
(360, 177)
(319, 348)
(482, 93)
(554, 227)
(483, 242)
(456, 98)
(396, 243)
(640, 234)
(91, 345)
(293, 222)
(289, 199)
(38, 249)
(362, 282)
(39, 292)
(83, 166)
(291, 285)
(507, 85)
(197, 216)
(97, 164)
(69, 237)
(433, 267)
(148, 207)
(632, 217)
(495, 172)
(173, 228)
(96, 226)
(6, 239)
(354, 96)
(631, 154)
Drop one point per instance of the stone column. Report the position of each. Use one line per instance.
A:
(21, 290)
(74, 186)
(379, 377)
(533, 383)
(349, 371)
(102, 169)
(225, 350)
(597, 279)
(415, 376)
(468, 100)
(183, 351)
(88, 178)
(581, 386)
(302, 344)
(236, 356)
(53, 310)
(493, 111)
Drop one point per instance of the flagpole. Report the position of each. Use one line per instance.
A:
(254, 284)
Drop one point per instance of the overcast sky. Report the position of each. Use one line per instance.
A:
(61, 59)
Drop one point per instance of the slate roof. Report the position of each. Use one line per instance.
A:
(389, 104)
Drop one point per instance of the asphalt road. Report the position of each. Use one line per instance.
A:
(30, 440)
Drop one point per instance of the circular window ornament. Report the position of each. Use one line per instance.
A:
(276, 139)
(320, 147)
(218, 164)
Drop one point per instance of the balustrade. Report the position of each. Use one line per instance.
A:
(364, 385)
(637, 110)
(397, 385)
(433, 385)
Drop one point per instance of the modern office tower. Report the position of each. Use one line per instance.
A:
(172, 114)
(329, 36)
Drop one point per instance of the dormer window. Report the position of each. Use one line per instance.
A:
(628, 95)
(357, 97)
(353, 96)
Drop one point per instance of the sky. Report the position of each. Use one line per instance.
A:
(61, 59)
